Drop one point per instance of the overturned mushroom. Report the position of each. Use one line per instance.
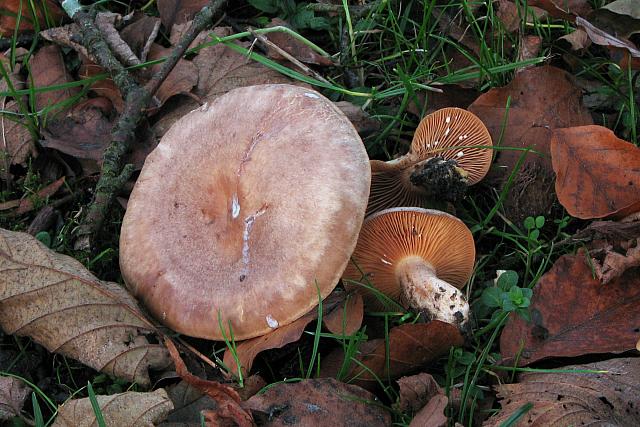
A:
(241, 216)
(448, 153)
(420, 257)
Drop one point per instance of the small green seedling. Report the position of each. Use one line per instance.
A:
(507, 296)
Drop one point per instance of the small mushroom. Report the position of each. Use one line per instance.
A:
(241, 216)
(419, 257)
(447, 154)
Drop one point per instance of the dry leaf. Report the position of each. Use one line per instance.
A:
(178, 11)
(542, 99)
(54, 300)
(67, 35)
(346, 318)
(432, 414)
(615, 264)
(564, 9)
(181, 79)
(583, 158)
(602, 38)
(27, 204)
(318, 402)
(84, 132)
(11, 9)
(247, 350)
(451, 96)
(137, 34)
(578, 39)
(411, 346)
(13, 394)
(511, 15)
(123, 409)
(187, 403)
(416, 390)
(573, 314)
(611, 398)
(293, 46)
(227, 399)
(48, 69)
(16, 142)
(103, 88)
(221, 69)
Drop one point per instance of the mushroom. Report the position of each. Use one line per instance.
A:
(419, 257)
(246, 213)
(448, 153)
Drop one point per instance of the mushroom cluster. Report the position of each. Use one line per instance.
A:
(246, 212)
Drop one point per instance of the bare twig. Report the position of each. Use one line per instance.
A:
(114, 174)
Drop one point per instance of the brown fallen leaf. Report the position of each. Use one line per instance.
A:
(529, 48)
(450, 96)
(318, 402)
(346, 318)
(66, 35)
(542, 99)
(227, 399)
(609, 397)
(27, 204)
(603, 38)
(361, 120)
(564, 9)
(178, 11)
(13, 394)
(187, 404)
(432, 414)
(84, 132)
(293, 46)
(123, 409)
(416, 391)
(579, 39)
(16, 141)
(411, 346)
(511, 15)
(54, 300)
(10, 10)
(247, 350)
(615, 264)
(221, 69)
(47, 68)
(583, 158)
(103, 88)
(574, 314)
(181, 79)
(140, 33)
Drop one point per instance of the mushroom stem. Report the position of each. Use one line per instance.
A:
(422, 290)
(441, 178)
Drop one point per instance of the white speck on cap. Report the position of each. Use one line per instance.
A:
(311, 95)
(273, 323)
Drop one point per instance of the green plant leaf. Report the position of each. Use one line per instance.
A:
(507, 280)
(492, 297)
(529, 223)
(267, 6)
(540, 221)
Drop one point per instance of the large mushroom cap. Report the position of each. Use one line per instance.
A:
(393, 236)
(452, 134)
(244, 211)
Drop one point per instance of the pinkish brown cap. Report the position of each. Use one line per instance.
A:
(450, 133)
(245, 209)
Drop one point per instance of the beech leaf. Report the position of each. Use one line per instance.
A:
(542, 99)
(123, 409)
(13, 393)
(610, 396)
(54, 300)
(583, 158)
(318, 402)
(574, 314)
